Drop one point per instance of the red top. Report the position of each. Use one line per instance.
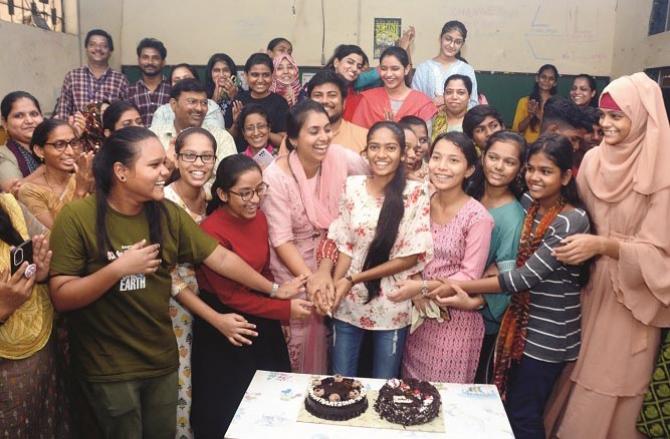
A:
(249, 240)
(350, 104)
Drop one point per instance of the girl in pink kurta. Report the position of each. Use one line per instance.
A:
(625, 184)
(299, 208)
(439, 349)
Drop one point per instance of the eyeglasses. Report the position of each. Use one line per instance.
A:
(191, 157)
(257, 127)
(456, 42)
(60, 145)
(248, 194)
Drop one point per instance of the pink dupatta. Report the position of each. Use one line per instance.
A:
(322, 208)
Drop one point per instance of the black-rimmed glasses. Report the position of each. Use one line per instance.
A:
(248, 194)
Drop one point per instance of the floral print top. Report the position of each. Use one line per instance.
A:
(353, 232)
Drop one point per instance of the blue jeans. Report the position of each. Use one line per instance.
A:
(387, 350)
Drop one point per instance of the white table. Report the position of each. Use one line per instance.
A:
(271, 404)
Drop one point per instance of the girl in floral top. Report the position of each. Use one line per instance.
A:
(383, 236)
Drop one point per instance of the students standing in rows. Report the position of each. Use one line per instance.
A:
(111, 271)
(95, 81)
(540, 331)
(152, 89)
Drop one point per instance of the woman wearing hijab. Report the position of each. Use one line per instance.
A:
(626, 188)
(286, 79)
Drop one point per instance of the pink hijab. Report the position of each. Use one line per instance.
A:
(288, 91)
(640, 162)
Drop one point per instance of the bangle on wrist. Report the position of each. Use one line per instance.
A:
(275, 288)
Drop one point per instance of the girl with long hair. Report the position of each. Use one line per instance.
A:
(382, 235)
(439, 350)
(528, 115)
(348, 62)
(222, 86)
(497, 184)
(540, 331)
(113, 253)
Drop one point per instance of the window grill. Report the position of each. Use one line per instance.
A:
(659, 20)
(45, 14)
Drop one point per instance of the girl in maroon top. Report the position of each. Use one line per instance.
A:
(222, 369)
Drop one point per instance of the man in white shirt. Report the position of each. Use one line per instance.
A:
(188, 100)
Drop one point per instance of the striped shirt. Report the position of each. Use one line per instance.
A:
(554, 333)
(148, 101)
(80, 88)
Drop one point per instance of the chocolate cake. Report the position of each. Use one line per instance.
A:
(336, 398)
(408, 402)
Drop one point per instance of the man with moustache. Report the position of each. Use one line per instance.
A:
(328, 89)
(188, 100)
(93, 82)
(152, 90)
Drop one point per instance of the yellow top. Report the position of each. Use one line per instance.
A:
(521, 113)
(28, 329)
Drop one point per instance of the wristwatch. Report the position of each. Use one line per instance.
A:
(275, 288)
(424, 288)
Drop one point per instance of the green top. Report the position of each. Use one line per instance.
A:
(508, 220)
(127, 333)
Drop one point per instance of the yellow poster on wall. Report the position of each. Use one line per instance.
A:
(387, 33)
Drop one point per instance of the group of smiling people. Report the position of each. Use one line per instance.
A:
(164, 273)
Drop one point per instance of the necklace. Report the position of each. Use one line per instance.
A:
(199, 208)
(46, 180)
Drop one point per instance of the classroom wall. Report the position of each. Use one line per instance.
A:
(508, 36)
(634, 49)
(35, 60)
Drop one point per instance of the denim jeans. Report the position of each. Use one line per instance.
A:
(387, 350)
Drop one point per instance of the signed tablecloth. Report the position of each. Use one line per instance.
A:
(273, 400)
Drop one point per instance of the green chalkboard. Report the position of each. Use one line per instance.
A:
(502, 90)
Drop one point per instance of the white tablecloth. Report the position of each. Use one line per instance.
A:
(272, 402)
